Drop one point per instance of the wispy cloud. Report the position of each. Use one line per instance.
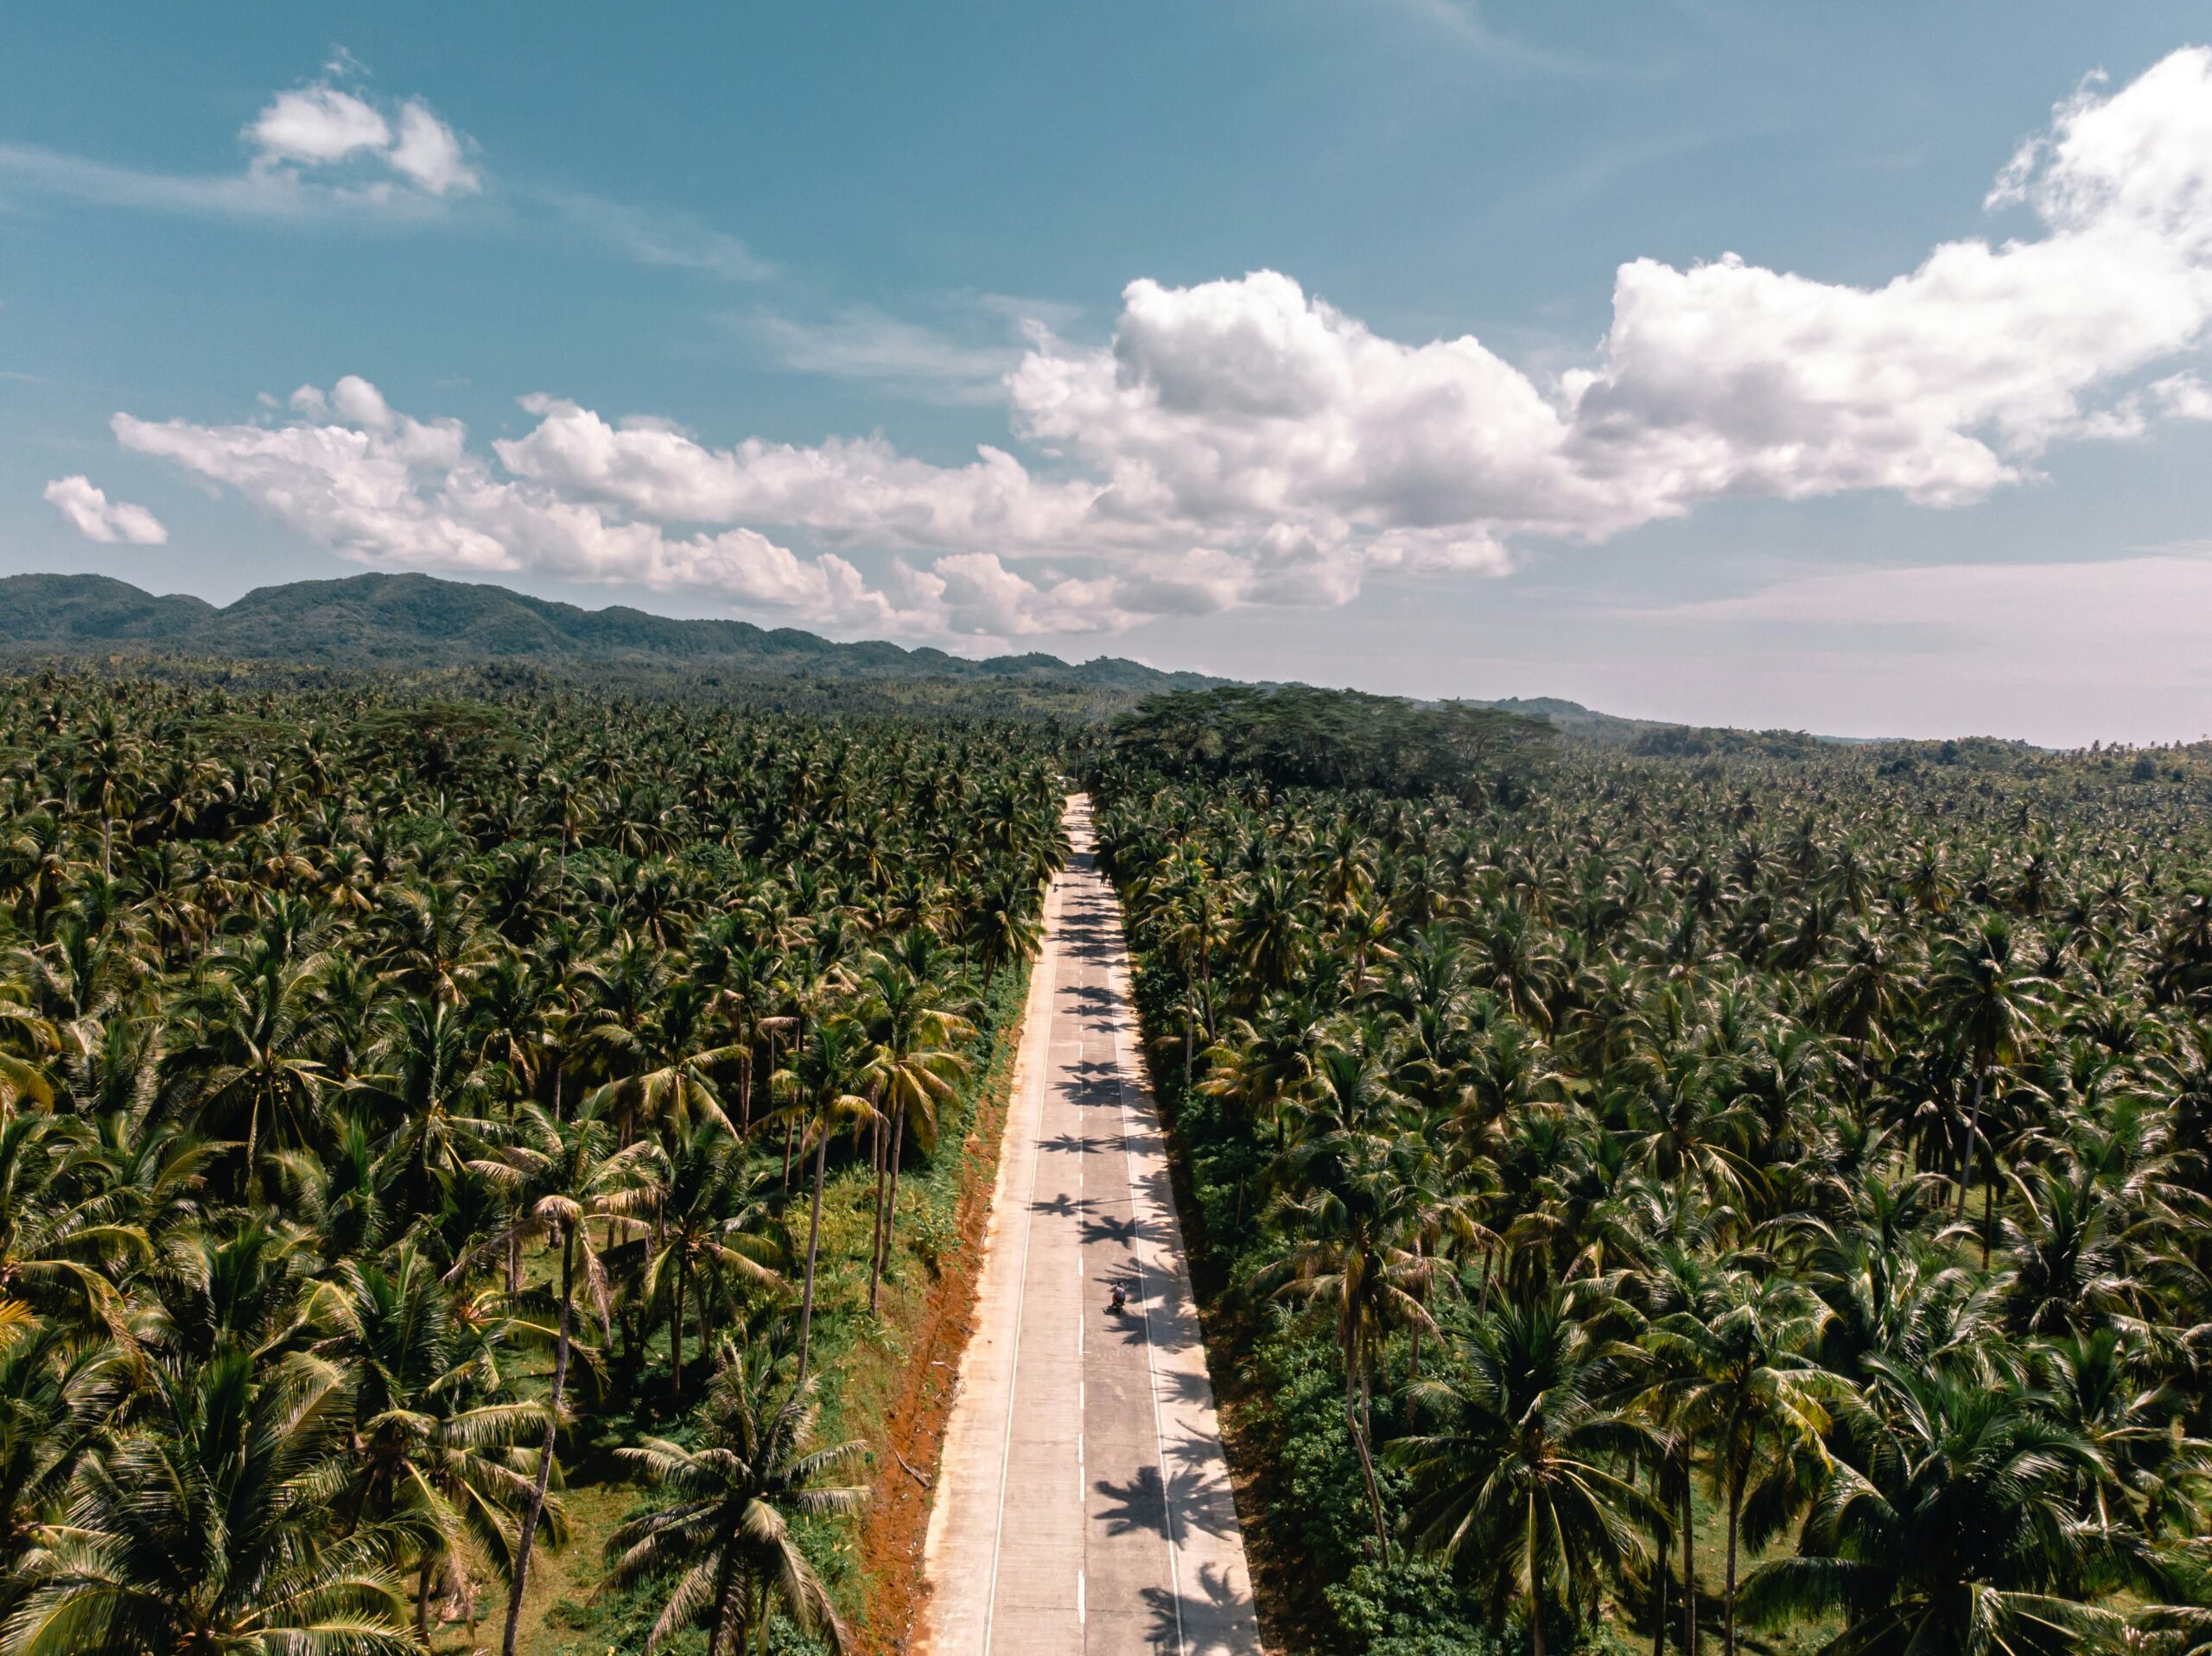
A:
(654, 235)
(320, 150)
(271, 194)
(861, 342)
(1462, 22)
(330, 151)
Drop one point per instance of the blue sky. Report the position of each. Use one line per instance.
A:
(1394, 343)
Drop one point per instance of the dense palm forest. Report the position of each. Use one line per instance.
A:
(404, 1101)
(463, 1147)
(1693, 1200)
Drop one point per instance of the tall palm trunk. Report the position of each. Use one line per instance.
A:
(535, 1509)
(1659, 1581)
(1533, 1551)
(1973, 1131)
(1988, 1205)
(710, 1283)
(252, 1148)
(891, 1206)
(723, 1587)
(1735, 1526)
(1366, 1459)
(876, 1216)
(1689, 1552)
(675, 1338)
(813, 1247)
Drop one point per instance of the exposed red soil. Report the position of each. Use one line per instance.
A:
(935, 1330)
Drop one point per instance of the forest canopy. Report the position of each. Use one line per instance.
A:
(425, 1117)
(1741, 1194)
(1292, 736)
(1728, 1194)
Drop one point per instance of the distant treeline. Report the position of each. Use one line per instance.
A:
(1292, 737)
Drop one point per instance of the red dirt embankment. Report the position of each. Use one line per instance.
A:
(934, 1331)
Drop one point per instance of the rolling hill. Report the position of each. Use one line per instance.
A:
(416, 623)
(412, 622)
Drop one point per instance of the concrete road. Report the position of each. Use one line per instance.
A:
(1083, 1503)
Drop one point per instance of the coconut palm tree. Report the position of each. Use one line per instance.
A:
(256, 1013)
(427, 1088)
(435, 1440)
(1752, 1393)
(1358, 1245)
(58, 1397)
(1986, 999)
(710, 1225)
(563, 1176)
(1513, 1470)
(821, 1083)
(1945, 1529)
(726, 1537)
(911, 1069)
(205, 1526)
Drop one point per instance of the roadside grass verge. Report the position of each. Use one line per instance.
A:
(885, 1381)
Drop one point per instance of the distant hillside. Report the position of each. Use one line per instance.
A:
(1573, 719)
(414, 622)
(1655, 738)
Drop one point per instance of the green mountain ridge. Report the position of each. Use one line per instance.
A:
(416, 621)
(412, 622)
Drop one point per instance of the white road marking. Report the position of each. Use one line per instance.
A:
(1013, 1385)
(1084, 995)
(1152, 1368)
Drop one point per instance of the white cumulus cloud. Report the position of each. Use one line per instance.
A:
(316, 126)
(386, 489)
(430, 154)
(98, 519)
(325, 151)
(1243, 441)
(323, 124)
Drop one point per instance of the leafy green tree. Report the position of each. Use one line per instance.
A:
(205, 1526)
(1513, 1474)
(564, 1175)
(726, 1537)
(1945, 1529)
(1753, 1394)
